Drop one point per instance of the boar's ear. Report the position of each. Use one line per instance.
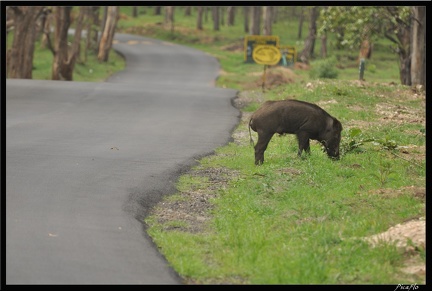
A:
(337, 125)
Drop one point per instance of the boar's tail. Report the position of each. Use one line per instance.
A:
(250, 134)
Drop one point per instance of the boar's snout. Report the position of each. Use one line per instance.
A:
(334, 154)
(332, 151)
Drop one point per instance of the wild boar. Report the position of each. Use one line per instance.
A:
(305, 120)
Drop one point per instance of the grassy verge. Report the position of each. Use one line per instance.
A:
(300, 221)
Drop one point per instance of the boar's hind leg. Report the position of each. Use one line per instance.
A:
(303, 143)
(261, 146)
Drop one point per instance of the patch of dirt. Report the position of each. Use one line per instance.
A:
(234, 47)
(397, 114)
(407, 236)
(274, 76)
(193, 209)
(410, 238)
(417, 192)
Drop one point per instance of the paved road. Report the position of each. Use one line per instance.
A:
(86, 161)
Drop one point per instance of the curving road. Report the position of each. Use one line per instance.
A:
(86, 161)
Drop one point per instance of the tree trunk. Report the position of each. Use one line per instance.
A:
(418, 61)
(268, 20)
(169, 17)
(215, 14)
(308, 50)
(231, 15)
(20, 63)
(275, 14)
(134, 11)
(157, 10)
(206, 14)
(404, 37)
(103, 22)
(87, 25)
(45, 25)
(65, 56)
(199, 18)
(187, 11)
(246, 10)
(324, 45)
(108, 34)
(76, 45)
(365, 50)
(255, 20)
(299, 34)
(60, 50)
(94, 44)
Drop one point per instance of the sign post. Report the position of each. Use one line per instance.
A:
(266, 55)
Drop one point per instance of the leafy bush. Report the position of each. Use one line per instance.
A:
(355, 139)
(324, 69)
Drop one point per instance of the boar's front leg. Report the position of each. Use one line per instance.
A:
(261, 146)
(303, 143)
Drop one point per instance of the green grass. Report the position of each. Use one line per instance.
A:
(294, 220)
(297, 221)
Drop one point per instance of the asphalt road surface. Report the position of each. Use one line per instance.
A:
(85, 162)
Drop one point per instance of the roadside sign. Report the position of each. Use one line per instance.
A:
(266, 55)
(253, 40)
(289, 55)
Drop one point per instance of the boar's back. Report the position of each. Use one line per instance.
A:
(288, 116)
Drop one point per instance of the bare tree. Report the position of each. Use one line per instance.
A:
(65, 54)
(301, 19)
(20, 56)
(418, 61)
(268, 20)
(215, 14)
(308, 49)
(403, 41)
(323, 41)
(255, 20)
(169, 17)
(199, 18)
(206, 9)
(108, 33)
(188, 10)
(134, 11)
(231, 15)
(246, 12)
(60, 48)
(103, 21)
(92, 36)
(157, 10)
(46, 20)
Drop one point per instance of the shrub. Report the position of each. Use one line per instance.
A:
(325, 68)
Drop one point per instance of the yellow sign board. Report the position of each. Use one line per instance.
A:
(289, 55)
(266, 55)
(250, 41)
